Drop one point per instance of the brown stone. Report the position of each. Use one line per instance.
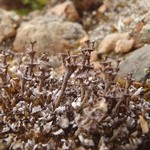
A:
(108, 44)
(145, 34)
(124, 45)
(8, 24)
(67, 8)
(127, 20)
(52, 35)
(102, 8)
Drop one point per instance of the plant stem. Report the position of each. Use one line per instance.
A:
(67, 75)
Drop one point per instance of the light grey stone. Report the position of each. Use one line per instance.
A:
(136, 62)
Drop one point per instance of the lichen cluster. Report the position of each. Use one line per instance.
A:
(84, 109)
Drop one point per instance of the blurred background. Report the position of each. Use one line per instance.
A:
(119, 27)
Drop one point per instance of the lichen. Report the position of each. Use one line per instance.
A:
(84, 108)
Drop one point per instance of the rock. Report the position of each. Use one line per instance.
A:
(145, 34)
(83, 40)
(124, 45)
(93, 56)
(52, 35)
(96, 65)
(127, 20)
(102, 9)
(67, 8)
(84, 5)
(9, 5)
(8, 24)
(137, 63)
(32, 14)
(136, 34)
(115, 42)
